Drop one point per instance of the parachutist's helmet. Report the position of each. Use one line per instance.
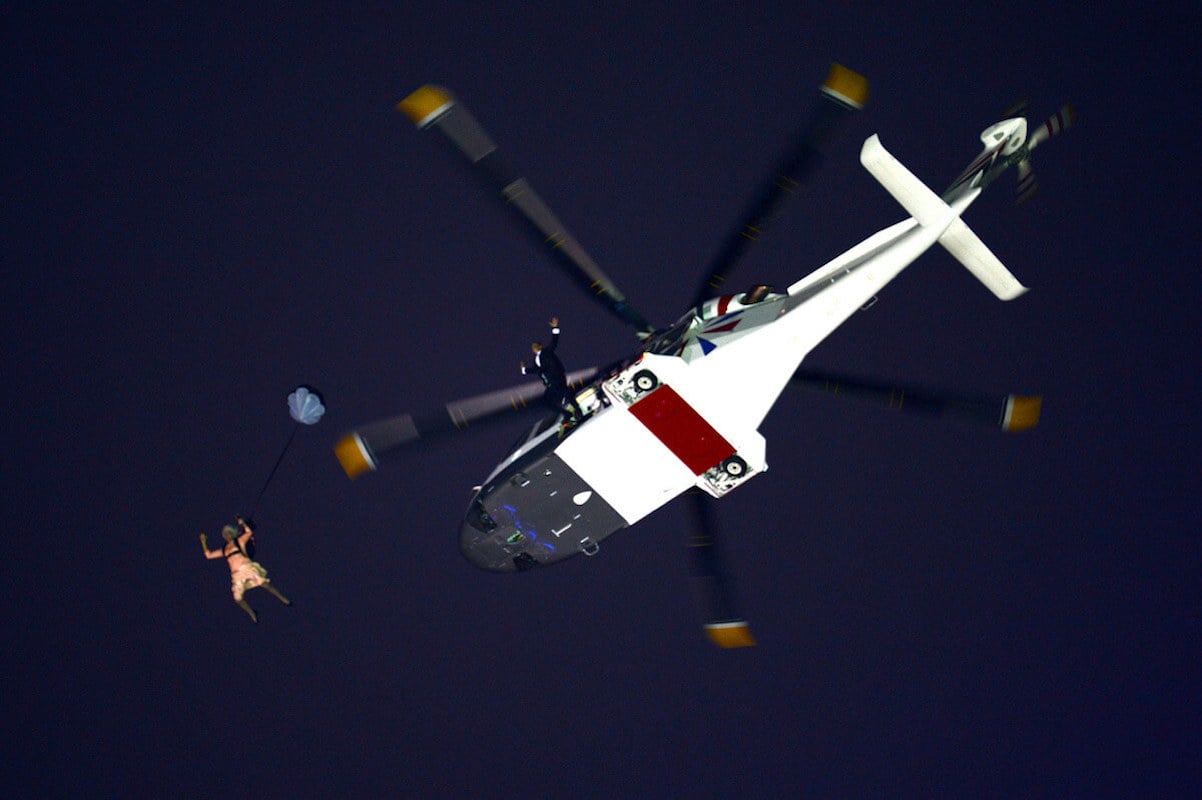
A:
(230, 533)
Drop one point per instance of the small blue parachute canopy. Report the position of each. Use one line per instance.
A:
(305, 405)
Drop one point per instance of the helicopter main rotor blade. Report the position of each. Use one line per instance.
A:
(843, 93)
(434, 105)
(360, 450)
(723, 625)
(1010, 412)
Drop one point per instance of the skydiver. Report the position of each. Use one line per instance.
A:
(550, 370)
(245, 573)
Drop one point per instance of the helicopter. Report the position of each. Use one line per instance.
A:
(681, 416)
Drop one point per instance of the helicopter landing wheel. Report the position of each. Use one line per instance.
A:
(735, 467)
(644, 381)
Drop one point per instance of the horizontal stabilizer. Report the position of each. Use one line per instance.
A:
(914, 196)
(929, 209)
(969, 250)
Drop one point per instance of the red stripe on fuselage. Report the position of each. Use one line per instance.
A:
(681, 429)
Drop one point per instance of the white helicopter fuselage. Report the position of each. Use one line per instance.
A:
(686, 414)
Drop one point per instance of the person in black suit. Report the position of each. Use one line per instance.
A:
(550, 370)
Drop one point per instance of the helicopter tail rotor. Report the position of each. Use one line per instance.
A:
(1059, 122)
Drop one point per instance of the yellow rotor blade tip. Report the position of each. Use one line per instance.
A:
(352, 456)
(847, 85)
(424, 105)
(1024, 413)
(730, 634)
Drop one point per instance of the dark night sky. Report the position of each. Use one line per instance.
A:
(205, 209)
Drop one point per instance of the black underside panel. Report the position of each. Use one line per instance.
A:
(535, 514)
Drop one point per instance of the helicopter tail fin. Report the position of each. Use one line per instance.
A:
(928, 209)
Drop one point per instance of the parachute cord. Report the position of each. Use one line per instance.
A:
(267, 483)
